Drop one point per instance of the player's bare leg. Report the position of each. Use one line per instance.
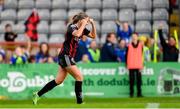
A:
(61, 75)
(75, 72)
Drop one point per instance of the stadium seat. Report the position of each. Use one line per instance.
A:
(59, 14)
(76, 4)
(21, 38)
(57, 27)
(165, 26)
(97, 39)
(127, 4)
(26, 4)
(23, 14)
(20, 28)
(94, 13)
(131, 25)
(97, 27)
(160, 14)
(110, 4)
(108, 26)
(59, 4)
(143, 27)
(8, 14)
(43, 4)
(44, 14)
(93, 4)
(161, 4)
(42, 38)
(109, 14)
(126, 15)
(143, 15)
(72, 12)
(10, 4)
(103, 39)
(43, 27)
(1, 29)
(1, 37)
(143, 4)
(56, 38)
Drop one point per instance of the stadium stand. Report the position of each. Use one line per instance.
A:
(139, 13)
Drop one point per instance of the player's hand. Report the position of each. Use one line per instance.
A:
(85, 21)
(91, 20)
(117, 22)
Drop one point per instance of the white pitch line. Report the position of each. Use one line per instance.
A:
(152, 106)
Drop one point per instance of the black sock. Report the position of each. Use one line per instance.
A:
(47, 87)
(78, 91)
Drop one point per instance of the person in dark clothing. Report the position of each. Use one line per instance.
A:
(9, 35)
(108, 50)
(170, 52)
(121, 50)
(82, 49)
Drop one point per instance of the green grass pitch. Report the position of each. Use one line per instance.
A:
(160, 102)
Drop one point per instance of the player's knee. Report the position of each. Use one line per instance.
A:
(58, 82)
(79, 77)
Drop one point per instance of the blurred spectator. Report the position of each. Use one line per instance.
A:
(21, 54)
(2, 56)
(93, 52)
(150, 44)
(57, 54)
(146, 51)
(1, 5)
(135, 64)
(9, 35)
(32, 59)
(19, 57)
(82, 48)
(121, 50)
(170, 52)
(125, 32)
(172, 5)
(85, 59)
(43, 55)
(108, 50)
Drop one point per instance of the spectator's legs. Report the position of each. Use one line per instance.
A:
(131, 81)
(139, 83)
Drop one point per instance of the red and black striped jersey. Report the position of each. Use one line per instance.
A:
(71, 42)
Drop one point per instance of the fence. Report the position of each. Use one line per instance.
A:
(106, 80)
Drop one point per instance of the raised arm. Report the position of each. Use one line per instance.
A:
(92, 34)
(162, 40)
(79, 32)
(28, 44)
(118, 28)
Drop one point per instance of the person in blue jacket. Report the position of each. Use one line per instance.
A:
(82, 49)
(43, 55)
(108, 49)
(121, 50)
(125, 32)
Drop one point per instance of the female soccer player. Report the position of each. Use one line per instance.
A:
(75, 31)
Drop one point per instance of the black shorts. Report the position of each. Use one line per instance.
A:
(65, 61)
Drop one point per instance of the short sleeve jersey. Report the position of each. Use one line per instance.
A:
(71, 42)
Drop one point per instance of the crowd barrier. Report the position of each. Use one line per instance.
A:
(102, 80)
